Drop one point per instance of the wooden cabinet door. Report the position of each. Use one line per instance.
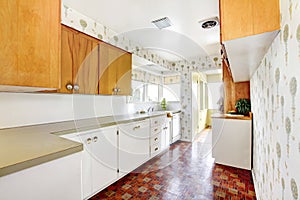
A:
(124, 74)
(248, 17)
(115, 70)
(266, 15)
(80, 62)
(236, 19)
(30, 43)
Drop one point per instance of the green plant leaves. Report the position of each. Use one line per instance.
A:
(243, 106)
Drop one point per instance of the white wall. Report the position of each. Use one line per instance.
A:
(19, 109)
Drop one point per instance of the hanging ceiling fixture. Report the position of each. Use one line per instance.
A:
(162, 23)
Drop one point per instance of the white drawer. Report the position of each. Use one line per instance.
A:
(155, 139)
(155, 130)
(154, 149)
(157, 121)
(139, 129)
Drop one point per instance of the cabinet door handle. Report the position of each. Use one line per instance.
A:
(155, 122)
(95, 139)
(118, 89)
(76, 87)
(137, 127)
(69, 86)
(89, 140)
(156, 149)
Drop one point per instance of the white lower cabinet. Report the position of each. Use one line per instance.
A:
(133, 145)
(100, 159)
(56, 179)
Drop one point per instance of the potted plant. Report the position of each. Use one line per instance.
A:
(243, 106)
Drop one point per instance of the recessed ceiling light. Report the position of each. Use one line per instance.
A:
(162, 23)
(209, 23)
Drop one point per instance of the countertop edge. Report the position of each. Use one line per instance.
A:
(40, 160)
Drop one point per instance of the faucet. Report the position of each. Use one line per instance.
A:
(150, 109)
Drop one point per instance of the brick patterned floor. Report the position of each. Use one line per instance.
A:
(185, 171)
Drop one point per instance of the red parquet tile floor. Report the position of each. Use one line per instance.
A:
(183, 172)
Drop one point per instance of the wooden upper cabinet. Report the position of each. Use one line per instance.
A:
(241, 18)
(80, 62)
(115, 70)
(30, 45)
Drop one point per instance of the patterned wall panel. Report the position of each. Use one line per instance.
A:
(275, 98)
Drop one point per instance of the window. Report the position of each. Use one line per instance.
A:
(151, 92)
(171, 92)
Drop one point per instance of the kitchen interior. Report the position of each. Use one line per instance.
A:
(139, 100)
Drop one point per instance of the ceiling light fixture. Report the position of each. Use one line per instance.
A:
(162, 23)
(209, 23)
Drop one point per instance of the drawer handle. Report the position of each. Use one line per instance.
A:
(156, 149)
(89, 140)
(155, 139)
(95, 139)
(155, 122)
(155, 130)
(137, 127)
(165, 128)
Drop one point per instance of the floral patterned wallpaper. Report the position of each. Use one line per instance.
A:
(275, 100)
(76, 20)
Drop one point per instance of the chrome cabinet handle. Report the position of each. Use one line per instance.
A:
(118, 89)
(155, 130)
(95, 139)
(69, 86)
(76, 87)
(156, 149)
(137, 127)
(155, 139)
(89, 140)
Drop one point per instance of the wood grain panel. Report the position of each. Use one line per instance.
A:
(108, 76)
(31, 41)
(80, 61)
(241, 18)
(124, 74)
(115, 70)
(8, 42)
(233, 91)
(236, 18)
(266, 16)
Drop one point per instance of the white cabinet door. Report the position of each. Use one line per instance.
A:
(165, 135)
(176, 127)
(86, 161)
(133, 145)
(104, 158)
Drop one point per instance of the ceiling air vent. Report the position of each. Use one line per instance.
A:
(209, 23)
(162, 23)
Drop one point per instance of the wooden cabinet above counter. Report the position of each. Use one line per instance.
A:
(248, 27)
(30, 45)
(90, 66)
(248, 17)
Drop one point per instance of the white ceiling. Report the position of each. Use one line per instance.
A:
(184, 39)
